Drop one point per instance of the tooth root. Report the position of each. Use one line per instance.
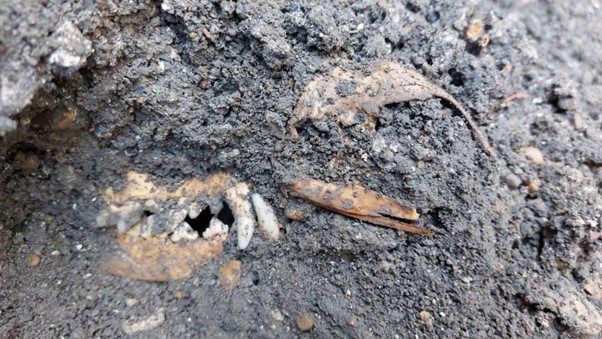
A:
(242, 210)
(268, 223)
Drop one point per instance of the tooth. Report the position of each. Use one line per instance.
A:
(184, 232)
(237, 198)
(268, 223)
(216, 228)
(194, 210)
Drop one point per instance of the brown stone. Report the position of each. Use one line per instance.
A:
(305, 321)
(34, 260)
(229, 274)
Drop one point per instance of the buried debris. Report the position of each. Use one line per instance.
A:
(164, 234)
(346, 93)
(156, 209)
(135, 325)
(357, 202)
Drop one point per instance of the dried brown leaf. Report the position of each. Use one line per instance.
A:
(345, 93)
(357, 202)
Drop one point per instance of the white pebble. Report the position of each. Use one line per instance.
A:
(132, 326)
(268, 223)
(276, 314)
(532, 155)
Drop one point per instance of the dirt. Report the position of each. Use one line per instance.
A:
(181, 89)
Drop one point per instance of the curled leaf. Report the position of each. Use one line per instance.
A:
(357, 202)
(346, 93)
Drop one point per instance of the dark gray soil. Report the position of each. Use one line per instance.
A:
(179, 88)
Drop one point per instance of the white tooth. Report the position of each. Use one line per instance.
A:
(237, 198)
(194, 210)
(176, 217)
(216, 228)
(184, 232)
(268, 223)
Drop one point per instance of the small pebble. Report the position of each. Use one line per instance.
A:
(532, 187)
(353, 322)
(513, 181)
(426, 317)
(229, 274)
(295, 214)
(305, 321)
(578, 121)
(34, 260)
(27, 162)
(55, 253)
(475, 30)
(532, 155)
(134, 325)
(66, 121)
(593, 286)
(276, 314)
(180, 294)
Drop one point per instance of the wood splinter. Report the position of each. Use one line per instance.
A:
(359, 203)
